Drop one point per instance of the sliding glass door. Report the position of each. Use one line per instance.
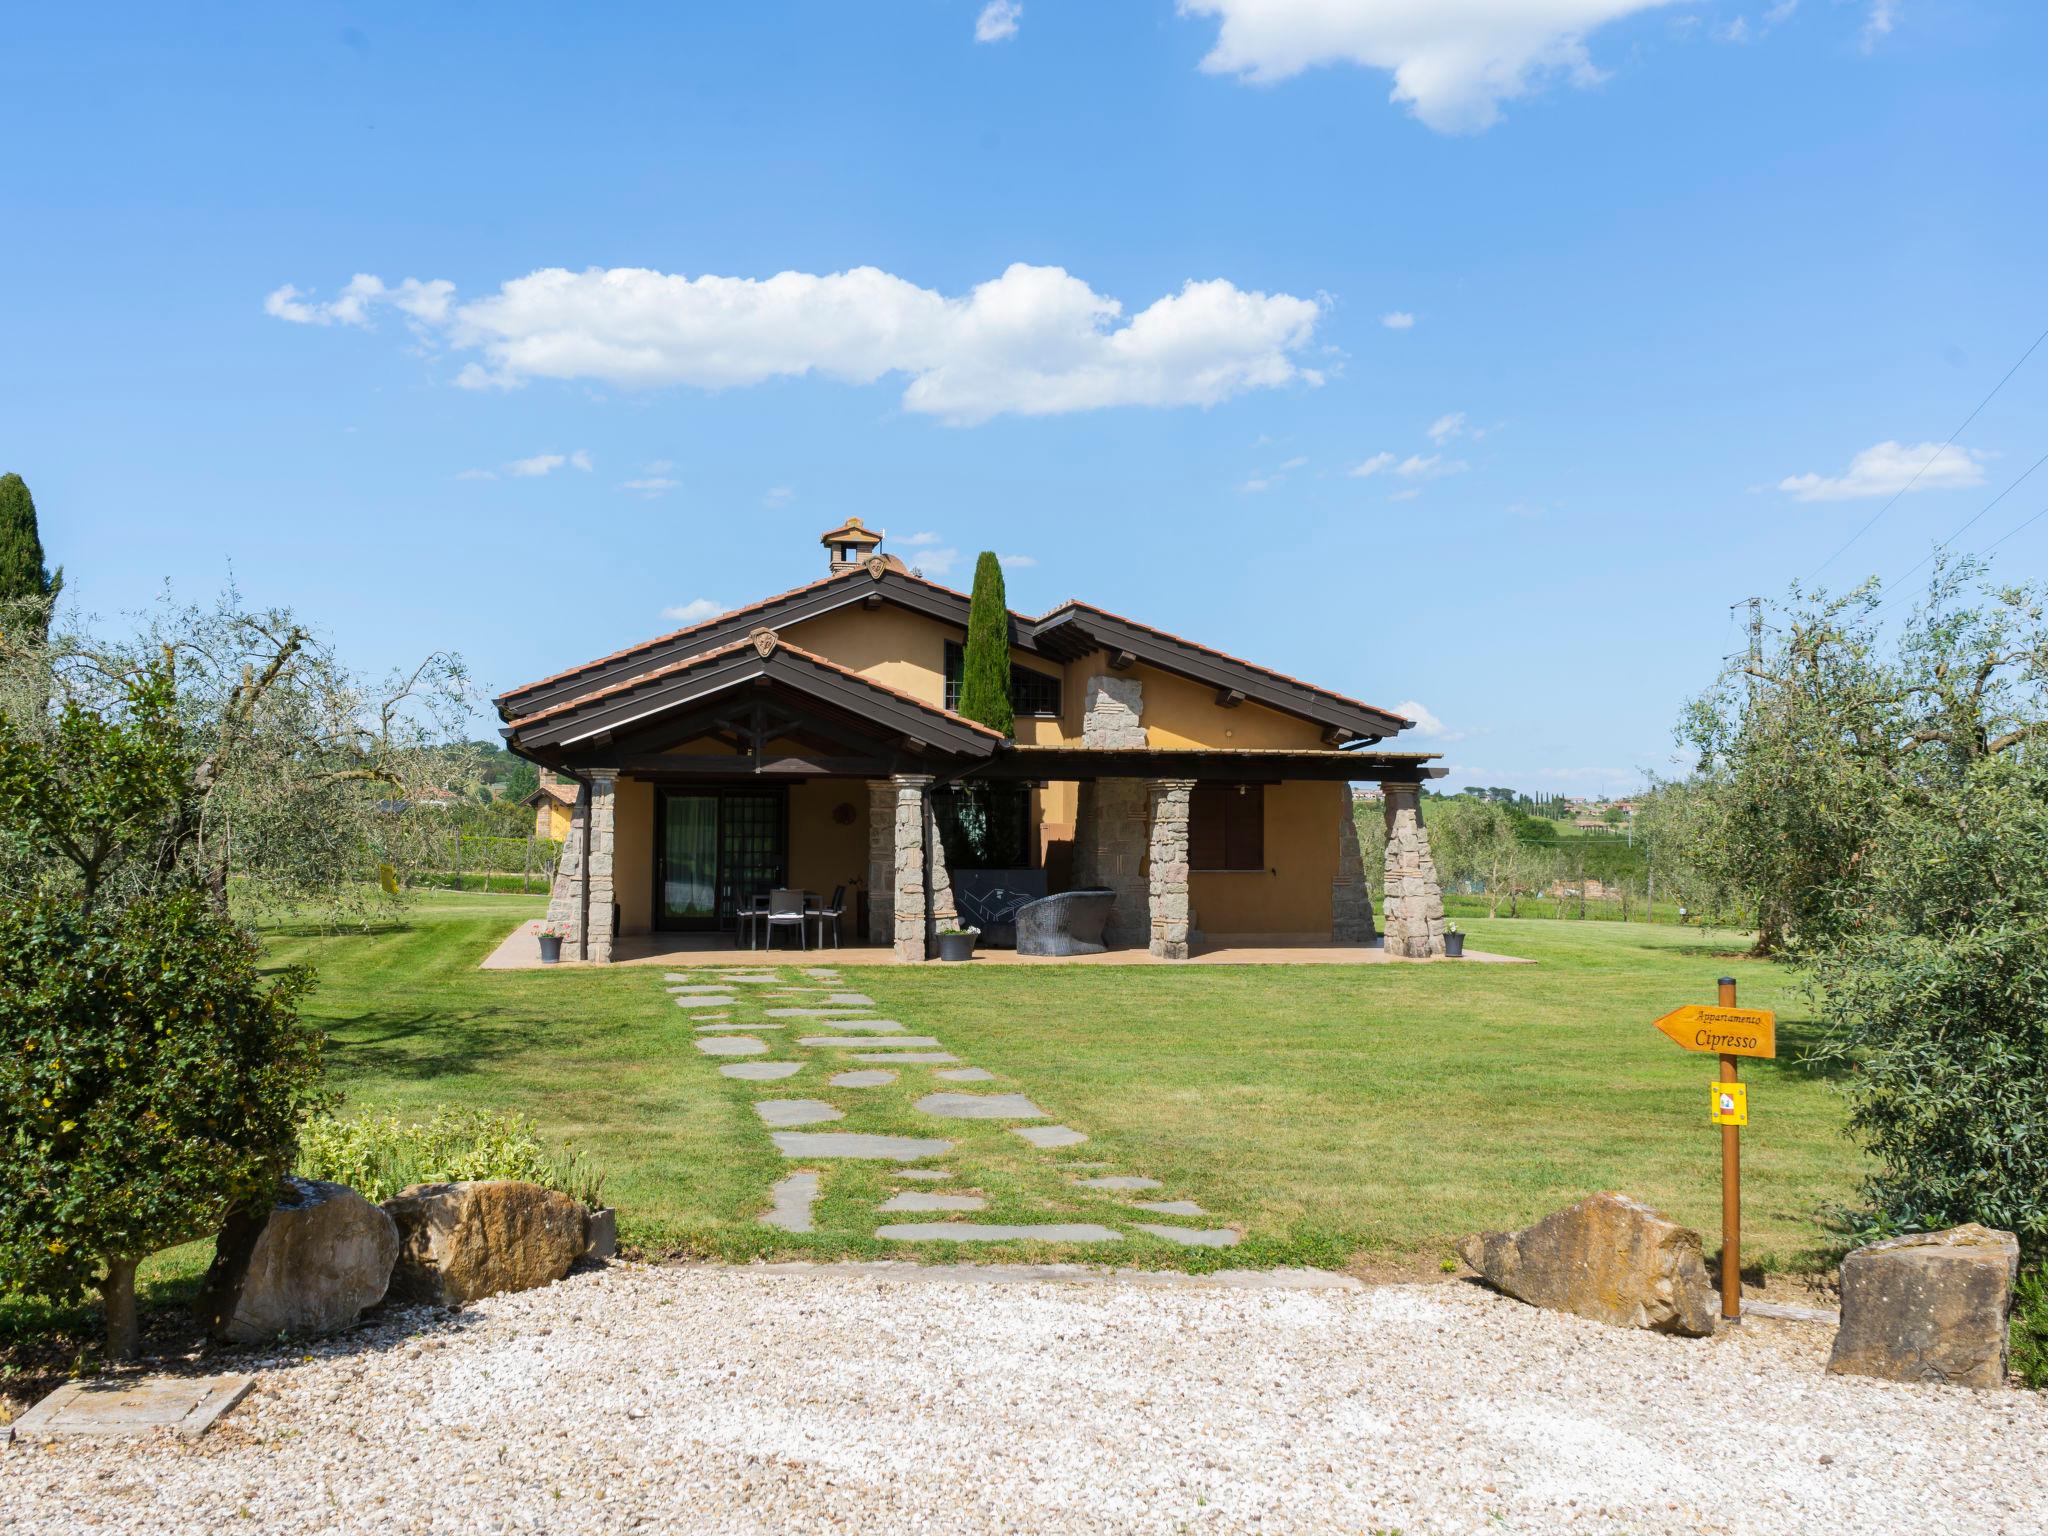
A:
(716, 848)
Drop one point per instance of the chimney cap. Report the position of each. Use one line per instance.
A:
(851, 532)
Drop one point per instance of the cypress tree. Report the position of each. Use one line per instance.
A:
(22, 571)
(985, 670)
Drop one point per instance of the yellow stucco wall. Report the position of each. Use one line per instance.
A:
(1291, 897)
(906, 651)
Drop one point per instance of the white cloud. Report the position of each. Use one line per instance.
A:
(1294, 463)
(1446, 427)
(1408, 495)
(1373, 465)
(478, 474)
(1882, 17)
(1888, 469)
(1453, 61)
(1266, 481)
(778, 496)
(1736, 31)
(1426, 723)
(695, 611)
(1398, 320)
(997, 21)
(580, 459)
(425, 302)
(1035, 341)
(936, 563)
(1429, 466)
(919, 541)
(539, 464)
(1780, 12)
(649, 486)
(1017, 562)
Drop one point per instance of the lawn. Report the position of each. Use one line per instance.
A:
(1336, 1115)
(1329, 1111)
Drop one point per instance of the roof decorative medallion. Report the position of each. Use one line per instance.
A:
(765, 640)
(876, 566)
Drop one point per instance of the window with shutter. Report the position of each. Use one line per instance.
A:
(1227, 827)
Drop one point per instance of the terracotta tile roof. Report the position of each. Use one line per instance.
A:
(1196, 645)
(669, 670)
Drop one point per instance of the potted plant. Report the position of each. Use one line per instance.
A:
(1454, 942)
(551, 934)
(957, 943)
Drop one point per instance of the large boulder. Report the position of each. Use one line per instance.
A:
(459, 1242)
(1933, 1306)
(1609, 1258)
(323, 1256)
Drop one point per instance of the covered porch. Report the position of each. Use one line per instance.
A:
(760, 765)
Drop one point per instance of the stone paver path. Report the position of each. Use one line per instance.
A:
(793, 1198)
(901, 1149)
(786, 1112)
(979, 1106)
(728, 1024)
(925, 1200)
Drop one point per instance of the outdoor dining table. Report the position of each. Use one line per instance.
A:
(747, 919)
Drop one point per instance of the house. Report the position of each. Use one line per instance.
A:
(809, 739)
(554, 807)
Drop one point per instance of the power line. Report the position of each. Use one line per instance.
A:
(1892, 586)
(1944, 448)
(2011, 531)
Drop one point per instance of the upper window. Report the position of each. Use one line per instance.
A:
(1031, 693)
(1227, 827)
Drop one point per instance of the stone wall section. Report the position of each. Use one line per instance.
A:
(1350, 892)
(604, 783)
(1414, 900)
(1112, 816)
(909, 913)
(563, 905)
(881, 861)
(1168, 904)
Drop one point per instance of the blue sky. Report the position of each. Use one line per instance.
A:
(1477, 354)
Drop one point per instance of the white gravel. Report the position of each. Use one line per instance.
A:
(743, 1400)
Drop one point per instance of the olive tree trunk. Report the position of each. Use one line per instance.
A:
(117, 1296)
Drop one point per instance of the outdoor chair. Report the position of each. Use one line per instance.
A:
(831, 912)
(749, 917)
(786, 910)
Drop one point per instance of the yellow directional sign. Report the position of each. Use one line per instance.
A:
(1723, 1031)
(1728, 1104)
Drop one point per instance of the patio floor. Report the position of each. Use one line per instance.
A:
(520, 951)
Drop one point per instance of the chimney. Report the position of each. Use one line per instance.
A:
(849, 544)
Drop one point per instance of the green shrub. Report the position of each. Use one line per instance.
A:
(378, 1155)
(2030, 1328)
(151, 1081)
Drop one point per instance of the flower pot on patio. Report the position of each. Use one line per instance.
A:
(1454, 944)
(550, 948)
(957, 946)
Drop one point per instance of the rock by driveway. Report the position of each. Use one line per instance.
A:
(750, 1399)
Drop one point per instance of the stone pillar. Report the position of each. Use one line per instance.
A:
(1415, 903)
(881, 862)
(1350, 893)
(1111, 815)
(604, 783)
(1167, 901)
(565, 903)
(909, 911)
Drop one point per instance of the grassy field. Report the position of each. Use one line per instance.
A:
(1338, 1115)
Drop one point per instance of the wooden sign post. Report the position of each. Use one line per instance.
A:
(1728, 1032)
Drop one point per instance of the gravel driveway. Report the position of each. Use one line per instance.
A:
(717, 1399)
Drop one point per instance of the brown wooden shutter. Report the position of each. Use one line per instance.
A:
(1244, 827)
(1206, 841)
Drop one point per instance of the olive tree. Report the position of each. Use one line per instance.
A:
(152, 1078)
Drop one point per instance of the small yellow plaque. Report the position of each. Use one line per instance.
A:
(1728, 1104)
(388, 878)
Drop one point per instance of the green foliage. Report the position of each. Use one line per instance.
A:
(985, 668)
(379, 1155)
(23, 573)
(150, 1080)
(2030, 1328)
(96, 796)
(1806, 748)
(1937, 993)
